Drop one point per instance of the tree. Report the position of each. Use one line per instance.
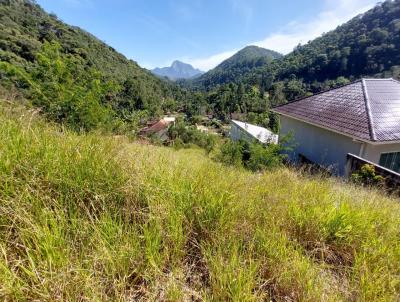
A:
(69, 93)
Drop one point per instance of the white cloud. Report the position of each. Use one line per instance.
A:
(335, 13)
(338, 12)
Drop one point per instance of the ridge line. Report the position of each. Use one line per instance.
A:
(368, 110)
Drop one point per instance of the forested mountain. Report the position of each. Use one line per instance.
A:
(240, 63)
(367, 45)
(79, 80)
(178, 70)
(47, 60)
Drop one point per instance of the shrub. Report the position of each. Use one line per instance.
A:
(231, 153)
(264, 157)
(367, 176)
(254, 156)
(189, 135)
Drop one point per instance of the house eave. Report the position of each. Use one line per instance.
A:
(358, 139)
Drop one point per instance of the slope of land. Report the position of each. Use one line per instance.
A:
(90, 217)
(26, 29)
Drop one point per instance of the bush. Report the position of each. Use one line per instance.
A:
(231, 153)
(367, 176)
(189, 135)
(262, 158)
(253, 156)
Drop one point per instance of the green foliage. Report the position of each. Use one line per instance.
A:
(68, 93)
(262, 158)
(368, 176)
(367, 45)
(76, 78)
(231, 153)
(185, 136)
(253, 156)
(95, 218)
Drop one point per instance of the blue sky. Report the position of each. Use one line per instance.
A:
(203, 32)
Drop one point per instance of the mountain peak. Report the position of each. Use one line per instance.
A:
(179, 63)
(178, 70)
(230, 70)
(252, 52)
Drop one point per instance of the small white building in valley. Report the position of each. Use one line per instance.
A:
(251, 133)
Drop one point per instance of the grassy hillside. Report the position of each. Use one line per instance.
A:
(86, 217)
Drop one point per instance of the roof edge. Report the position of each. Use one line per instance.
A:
(236, 123)
(377, 142)
(320, 92)
(325, 127)
(362, 79)
(368, 110)
(270, 133)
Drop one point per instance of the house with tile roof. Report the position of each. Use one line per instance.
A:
(361, 118)
(159, 128)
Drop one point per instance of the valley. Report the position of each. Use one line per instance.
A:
(120, 183)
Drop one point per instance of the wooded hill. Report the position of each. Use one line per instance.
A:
(248, 85)
(32, 41)
(240, 63)
(367, 45)
(81, 81)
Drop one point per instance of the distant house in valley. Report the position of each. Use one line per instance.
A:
(158, 128)
(251, 133)
(361, 118)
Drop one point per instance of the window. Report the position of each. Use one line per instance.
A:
(390, 161)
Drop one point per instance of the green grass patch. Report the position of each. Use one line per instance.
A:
(91, 217)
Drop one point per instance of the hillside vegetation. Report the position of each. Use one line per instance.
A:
(91, 217)
(41, 55)
(366, 46)
(232, 69)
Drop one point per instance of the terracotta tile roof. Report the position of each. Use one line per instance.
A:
(158, 126)
(368, 109)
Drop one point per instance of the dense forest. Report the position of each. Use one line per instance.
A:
(81, 81)
(230, 70)
(367, 45)
(57, 66)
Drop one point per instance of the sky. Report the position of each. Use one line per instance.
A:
(203, 32)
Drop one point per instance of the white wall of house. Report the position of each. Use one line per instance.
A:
(319, 145)
(238, 133)
(373, 152)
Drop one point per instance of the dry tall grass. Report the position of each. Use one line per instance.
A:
(90, 217)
